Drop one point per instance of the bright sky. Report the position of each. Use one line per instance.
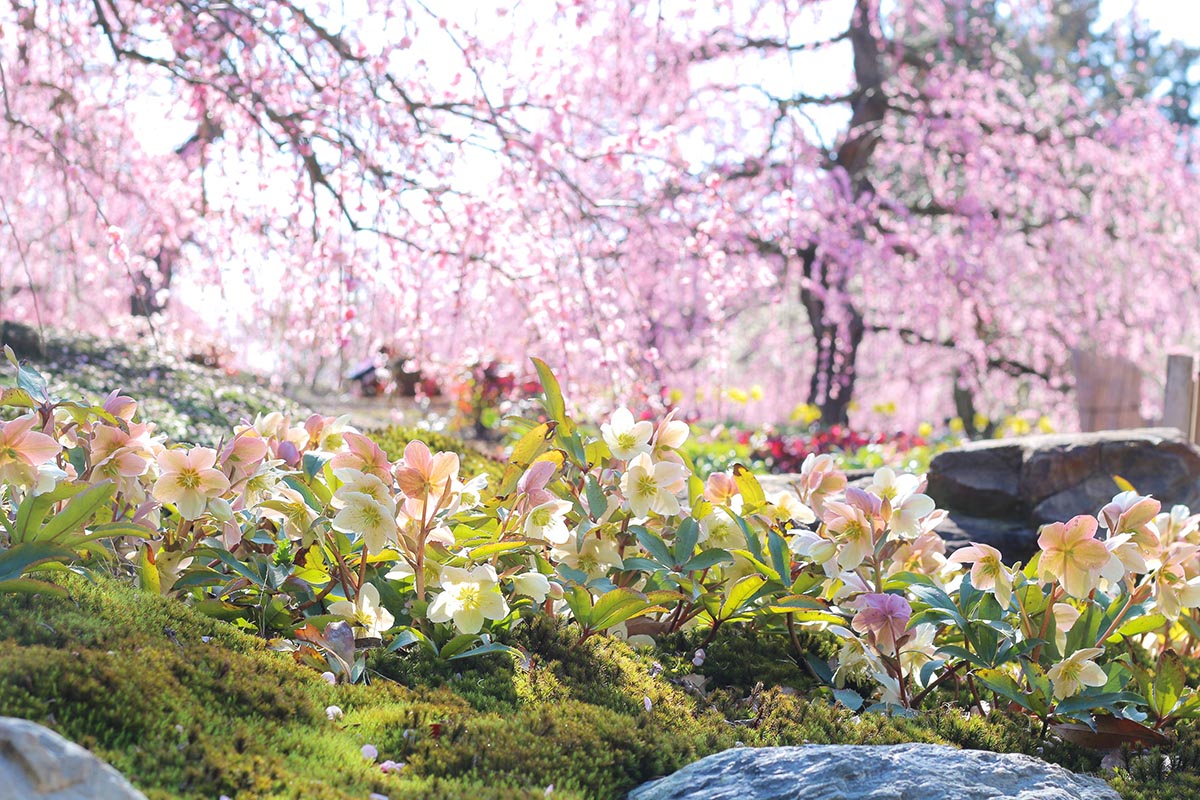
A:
(1178, 19)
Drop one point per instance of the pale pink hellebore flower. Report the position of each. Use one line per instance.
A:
(424, 475)
(23, 450)
(884, 618)
(988, 573)
(188, 480)
(1072, 554)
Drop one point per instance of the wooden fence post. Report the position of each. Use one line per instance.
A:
(1177, 402)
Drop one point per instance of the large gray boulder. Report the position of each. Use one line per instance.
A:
(1001, 491)
(872, 772)
(38, 764)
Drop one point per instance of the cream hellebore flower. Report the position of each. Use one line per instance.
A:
(650, 487)
(1077, 670)
(817, 549)
(624, 437)
(468, 598)
(547, 522)
(23, 450)
(786, 507)
(368, 617)
(594, 557)
(888, 485)
(908, 511)
(718, 529)
(363, 514)
(988, 573)
(188, 480)
(1072, 554)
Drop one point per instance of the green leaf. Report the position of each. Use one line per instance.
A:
(21, 558)
(753, 496)
(491, 647)
(705, 560)
(313, 463)
(75, 515)
(780, 555)
(523, 454)
(301, 488)
(238, 566)
(849, 698)
(32, 382)
(740, 595)
(686, 537)
(495, 548)
(553, 402)
(148, 578)
(458, 644)
(617, 606)
(653, 545)
(1139, 625)
(1169, 682)
(31, 586)
(18, 398)
(33, 509)
(407, 636)
(597, 501)
(1004, 685)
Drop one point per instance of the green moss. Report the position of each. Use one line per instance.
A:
(188, 707)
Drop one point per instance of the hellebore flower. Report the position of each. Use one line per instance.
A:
(1072, 554)
(624, 437)
(468, 598)
(1077, 670)
(188, 480)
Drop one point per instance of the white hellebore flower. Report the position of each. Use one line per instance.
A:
(468, 598)
(363, 514)
(594, 557)
(368, 617)
(648, 486)
(547, 522)
(531, 584)
(1077, 670)
(624, 437)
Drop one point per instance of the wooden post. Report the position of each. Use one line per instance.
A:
(1178, 411)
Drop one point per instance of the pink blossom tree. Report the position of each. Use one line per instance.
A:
(651, 197)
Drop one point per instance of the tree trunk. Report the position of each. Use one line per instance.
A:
(838, 335)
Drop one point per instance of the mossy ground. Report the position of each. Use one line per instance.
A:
(188, 707)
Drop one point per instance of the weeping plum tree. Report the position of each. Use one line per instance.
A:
(807, 194)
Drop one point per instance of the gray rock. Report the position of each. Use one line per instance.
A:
(872, 772)
(979, 478)
(1016, 539)
(1022, 483)
(38, 764)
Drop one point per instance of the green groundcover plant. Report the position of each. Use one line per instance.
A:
(311, 536)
